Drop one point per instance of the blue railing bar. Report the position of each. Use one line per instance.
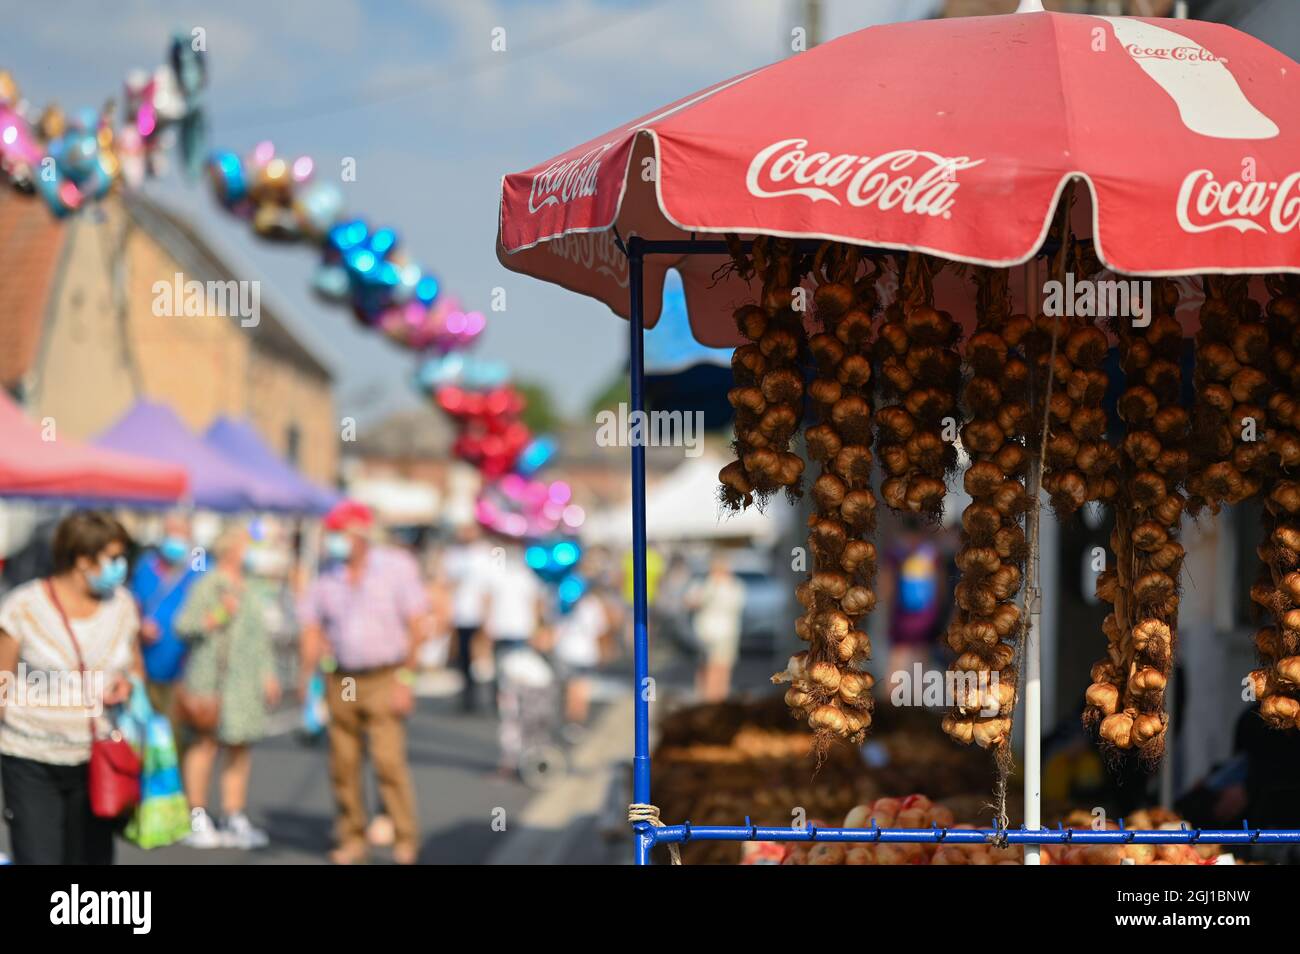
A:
(978, 836)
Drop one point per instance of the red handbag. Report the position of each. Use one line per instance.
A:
(115, 767)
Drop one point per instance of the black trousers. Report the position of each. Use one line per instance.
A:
(464, 642)
(48, 811)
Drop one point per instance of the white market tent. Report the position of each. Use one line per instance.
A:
(684, 506)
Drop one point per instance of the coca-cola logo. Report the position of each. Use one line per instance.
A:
(1183, 54)
(1205, 204)
(567, 179)
(914, 181)
(595, 251)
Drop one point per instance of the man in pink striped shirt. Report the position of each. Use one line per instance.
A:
(367, 610)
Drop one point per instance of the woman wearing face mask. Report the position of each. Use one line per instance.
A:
(230, 668)
(45, 738)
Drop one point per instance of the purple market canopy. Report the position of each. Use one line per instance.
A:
(238, 442)
(154, 431)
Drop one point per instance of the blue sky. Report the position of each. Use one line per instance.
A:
(412, 90)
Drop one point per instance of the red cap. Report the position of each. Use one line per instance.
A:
(349, 515)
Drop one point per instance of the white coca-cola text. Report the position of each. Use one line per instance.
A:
(1205, 203)
(913, 180)
(567, 179)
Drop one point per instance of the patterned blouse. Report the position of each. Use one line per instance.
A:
(47, 702)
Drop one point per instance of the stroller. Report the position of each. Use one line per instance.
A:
(529, 701)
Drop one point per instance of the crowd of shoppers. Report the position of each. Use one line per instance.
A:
(198, 624)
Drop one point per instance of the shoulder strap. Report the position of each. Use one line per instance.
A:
(67, 626)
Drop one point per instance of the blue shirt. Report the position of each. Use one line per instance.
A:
(161, 595)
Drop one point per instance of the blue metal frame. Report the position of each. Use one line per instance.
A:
(648, 835)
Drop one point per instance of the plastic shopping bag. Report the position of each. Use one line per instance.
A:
(314, 713)
(163, 815)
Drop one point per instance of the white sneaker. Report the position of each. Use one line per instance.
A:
(203, 831)
(239, 832)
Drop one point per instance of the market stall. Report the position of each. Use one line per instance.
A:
(682, 507)
(153, 431)
(243, 446)
(37, 464)
(917, 254)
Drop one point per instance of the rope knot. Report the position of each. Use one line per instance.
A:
(638, 812)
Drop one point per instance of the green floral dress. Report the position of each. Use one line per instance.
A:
(234, 658)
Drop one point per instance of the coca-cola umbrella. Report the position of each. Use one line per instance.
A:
(953, 137)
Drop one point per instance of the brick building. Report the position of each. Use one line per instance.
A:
(81, 342)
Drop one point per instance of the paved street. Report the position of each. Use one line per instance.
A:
(453, 759)
(580, 819)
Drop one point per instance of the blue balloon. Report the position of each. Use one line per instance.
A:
(318, 205)
(571, 589)
(536, 455)
(227, 171)
(331, 281)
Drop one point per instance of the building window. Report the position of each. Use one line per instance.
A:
(292, 444)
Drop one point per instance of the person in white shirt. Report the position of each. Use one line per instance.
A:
(77, 630)
(514, 611)
(718, 601)
(467, 566)
(577, 649)
(514, 601)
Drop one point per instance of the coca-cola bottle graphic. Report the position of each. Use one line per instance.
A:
(1207, 95)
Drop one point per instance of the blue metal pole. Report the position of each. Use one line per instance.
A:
(640, 604)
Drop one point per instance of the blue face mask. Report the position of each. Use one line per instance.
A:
(174, 549)
(108, 577)
(338, 546)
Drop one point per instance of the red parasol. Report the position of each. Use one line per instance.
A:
(953, 137)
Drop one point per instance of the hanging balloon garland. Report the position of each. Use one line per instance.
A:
(74, 160)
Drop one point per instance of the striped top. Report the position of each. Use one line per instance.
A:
(46, 704)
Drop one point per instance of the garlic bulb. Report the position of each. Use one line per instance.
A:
(768, 392)
(922, 375)
(1125, 702)
(829, 688)
(992, 541)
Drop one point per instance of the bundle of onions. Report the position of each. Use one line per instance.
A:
(1277, 680)
(993, 549)
(1126, 699)
(768, 383)
(1080, 466)
(1232, 389)
(922, 374)
(828, 686)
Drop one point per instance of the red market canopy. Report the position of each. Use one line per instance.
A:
(950, 137)
(64, 470)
